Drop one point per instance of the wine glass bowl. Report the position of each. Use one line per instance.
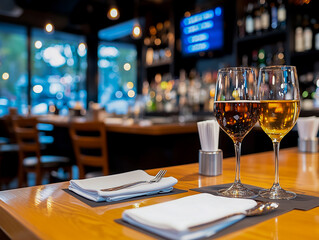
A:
(237, 111)
(278, 92)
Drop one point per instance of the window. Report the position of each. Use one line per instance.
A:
(117, 65)
(13, 68)
(58, 72)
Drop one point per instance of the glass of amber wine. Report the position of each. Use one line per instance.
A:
(278, 92)
(237, 110)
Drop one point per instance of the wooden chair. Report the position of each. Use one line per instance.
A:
(8, 120)
(90, 147)
(30, 158)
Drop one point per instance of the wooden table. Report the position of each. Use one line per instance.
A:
(47, 212)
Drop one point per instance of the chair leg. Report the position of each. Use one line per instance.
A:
(38, 178)
(81, 171)
(21, 177)
(70, 170)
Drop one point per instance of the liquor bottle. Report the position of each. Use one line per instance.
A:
(282, 14)
(279, 56)
(249, 21)
(313, 23)
(261, 58)
(241, 28)
(244, 60)
(274, 15)
(316, 36)
(269, 61)
(307, 34)
(265, 18)
(254, 58)
(166, 31)
(257, 19)
(299, 45)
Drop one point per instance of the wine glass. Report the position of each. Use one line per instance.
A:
(237, 111)
(278, 92)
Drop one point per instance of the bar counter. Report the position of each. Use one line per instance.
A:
(47, 212)
(153, 130)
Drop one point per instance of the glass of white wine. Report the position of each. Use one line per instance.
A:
(278, 92)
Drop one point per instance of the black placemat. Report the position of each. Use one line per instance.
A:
(99, 204)
(301, 202)
(126, 224)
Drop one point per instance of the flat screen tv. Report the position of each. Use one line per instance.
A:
(203, 31)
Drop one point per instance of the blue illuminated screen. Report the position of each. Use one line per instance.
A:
(203, 31)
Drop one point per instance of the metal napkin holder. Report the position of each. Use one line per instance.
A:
(211, 162)
(308, 145)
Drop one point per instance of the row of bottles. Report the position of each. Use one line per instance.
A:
(262, 16)
(265, 56)
(186, 94)
(306, 33)
(309, 85)
(158, 56)
(159, 34)
(159, 40)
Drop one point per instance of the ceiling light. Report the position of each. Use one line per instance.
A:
(137, 31)
(113, 13)
(49, 28)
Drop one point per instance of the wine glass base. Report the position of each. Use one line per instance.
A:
(237, 190)
(277, 193)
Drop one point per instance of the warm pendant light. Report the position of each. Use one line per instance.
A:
(137, 31)
(113, 13)
(49, 27)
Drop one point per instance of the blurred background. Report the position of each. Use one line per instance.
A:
(159, 55)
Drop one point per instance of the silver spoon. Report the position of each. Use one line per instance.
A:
(260, 209)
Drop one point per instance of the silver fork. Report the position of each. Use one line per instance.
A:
(157, 178)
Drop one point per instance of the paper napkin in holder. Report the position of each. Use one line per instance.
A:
(210, 157)
(307, 131)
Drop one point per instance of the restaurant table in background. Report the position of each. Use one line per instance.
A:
(156, 129)
(48, 212)
(134, 146)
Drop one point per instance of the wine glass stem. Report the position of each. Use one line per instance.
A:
(237, 145)
(276, 151)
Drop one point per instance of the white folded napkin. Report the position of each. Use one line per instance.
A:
(174, 218)
(308, 127)
(90, 188)
(113, 120)
(145, 122)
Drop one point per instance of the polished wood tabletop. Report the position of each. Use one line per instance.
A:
(47, 212)
(132, 128)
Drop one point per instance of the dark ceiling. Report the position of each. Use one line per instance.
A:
(78, 16)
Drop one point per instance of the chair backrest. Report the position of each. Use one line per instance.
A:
(26, 132)
(90, 145)
(8, 120)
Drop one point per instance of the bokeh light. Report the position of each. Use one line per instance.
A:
(131, 93)
(49, 27)
(137, 31)
(130, 85)
(113, 13)
(5, 76)
(127, 67)
(38, 44)
(37, 88)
